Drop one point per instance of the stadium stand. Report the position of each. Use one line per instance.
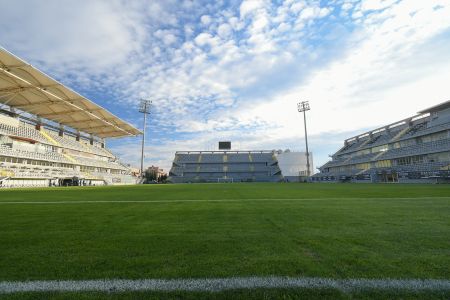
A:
(225, 166)
(52, 136)
(413, 150)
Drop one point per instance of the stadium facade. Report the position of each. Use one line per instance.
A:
(416, 149)
(51, 135)
(225, 166)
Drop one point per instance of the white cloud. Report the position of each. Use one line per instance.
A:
(347, 6)
(260, 22)
(205, 19)
(313, 12)
(168, 37)
(205, 39)
(224, 30)
(95, 34)
(298, 6)
(249, 6)
(376, 4)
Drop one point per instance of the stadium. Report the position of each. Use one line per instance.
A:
(51, 135)
(75, 223)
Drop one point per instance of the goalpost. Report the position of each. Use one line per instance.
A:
(225, 180)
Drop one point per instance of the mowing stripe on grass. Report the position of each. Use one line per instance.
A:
(213, 200)
(221, 284)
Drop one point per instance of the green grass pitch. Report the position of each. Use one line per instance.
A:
(336, 231)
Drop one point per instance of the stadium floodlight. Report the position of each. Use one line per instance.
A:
(144, 108)
(304, 107)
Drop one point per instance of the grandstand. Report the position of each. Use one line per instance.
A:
(416, 149)
(225, 166)
(51, 135)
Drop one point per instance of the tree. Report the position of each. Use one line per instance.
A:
(163, 178)
(150, 175)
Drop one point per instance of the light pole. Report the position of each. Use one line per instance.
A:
(303, 107)
(144, 108)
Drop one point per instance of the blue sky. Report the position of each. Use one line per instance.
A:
(235, 70)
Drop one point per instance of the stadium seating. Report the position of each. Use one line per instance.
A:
(403, 153)
(210, 166)
(58, 157)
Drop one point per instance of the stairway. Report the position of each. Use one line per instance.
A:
(86, 147)
(70, 158)
(3, 179)
(400, 134)
(49, 138)
(378, 155)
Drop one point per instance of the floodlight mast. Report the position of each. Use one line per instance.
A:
(144, 108)
(303, 107)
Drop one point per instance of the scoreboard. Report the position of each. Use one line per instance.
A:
(224, 145)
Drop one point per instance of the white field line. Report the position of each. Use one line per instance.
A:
(213, 200)
(222, 284)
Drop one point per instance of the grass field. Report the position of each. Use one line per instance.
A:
(226, 230)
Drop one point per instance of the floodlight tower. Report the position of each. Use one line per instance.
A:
(303, 107)
(144, 108)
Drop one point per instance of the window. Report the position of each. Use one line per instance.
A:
(383, 164)
(438, 157)
(434, 137)
(404, 161)
(418, 159)
(361, 152)
(364, 166)
(410, 160)
(407, 143)
(381, 148)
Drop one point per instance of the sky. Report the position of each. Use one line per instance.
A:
(235, 70)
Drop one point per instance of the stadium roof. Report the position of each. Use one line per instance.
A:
(24, 87)
(420, 115)
(438, 107)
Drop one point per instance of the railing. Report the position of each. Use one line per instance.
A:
(64, 142)
(224, 151)
(388, 138)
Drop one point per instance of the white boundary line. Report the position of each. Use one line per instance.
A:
(213, 200)
(222, 284)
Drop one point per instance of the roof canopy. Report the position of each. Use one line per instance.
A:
(438, 107)
(24, 87)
